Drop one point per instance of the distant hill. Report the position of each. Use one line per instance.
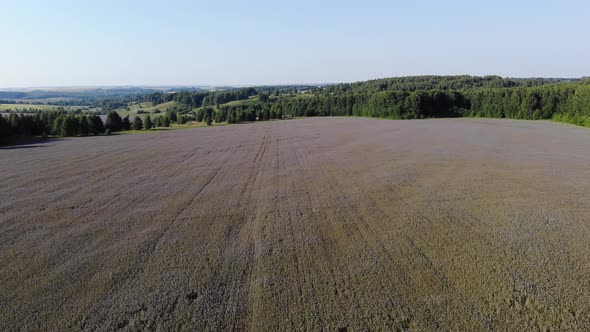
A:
(84, 93)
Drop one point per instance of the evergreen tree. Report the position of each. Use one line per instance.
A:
(200, 115)
(14, 122)
(137, 123)
(263, 97)
(69, 126)
(172, 116)
(39, 125)
(126, 124)
(95, 125)
(57, 125)
(158, 121)
(231, 117)
(83, 128)
(5, 128)
(114, 122)
(147, 124)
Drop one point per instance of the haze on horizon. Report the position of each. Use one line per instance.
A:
(114, 43)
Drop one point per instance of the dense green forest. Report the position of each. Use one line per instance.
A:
(417, 97)
(44, 123)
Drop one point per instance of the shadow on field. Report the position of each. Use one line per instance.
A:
(26, 143)
(21, 147)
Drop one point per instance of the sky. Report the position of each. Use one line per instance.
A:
(117, 42)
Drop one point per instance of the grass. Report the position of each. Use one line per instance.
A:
(247, 102)
(148, 108)
(193, 124)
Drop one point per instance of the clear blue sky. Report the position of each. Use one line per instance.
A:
(73, 43)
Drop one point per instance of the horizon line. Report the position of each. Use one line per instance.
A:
(277, 84)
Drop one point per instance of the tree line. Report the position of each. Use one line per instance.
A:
(190, 98)
(67, 124)
(430, 82)
(57, 123)
(419, 97)
(414, 97)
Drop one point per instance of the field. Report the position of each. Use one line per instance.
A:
(313, 224)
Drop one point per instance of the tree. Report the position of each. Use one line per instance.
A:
(126, 124)
(69, 126)
(157, 121)
(231, 117)
(147, 124)
(529, 105)
(219, 116)
(207, 112)
(5, 128)
(137, 123)
(263, 97)
(95, 125)
(200, 115)
(172, 116)
(39, 124)
(114, 121)
(83, 128)
(14, 121)
(57, 124)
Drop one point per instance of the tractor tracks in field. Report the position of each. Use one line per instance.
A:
(413, 240)
(243, 239)
(138, 267)
(223, 295)
(367, 216)
(250, 215)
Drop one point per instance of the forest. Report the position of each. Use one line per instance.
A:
(417, 97)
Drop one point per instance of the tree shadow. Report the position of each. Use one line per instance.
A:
(21, 147)
(26, 143)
